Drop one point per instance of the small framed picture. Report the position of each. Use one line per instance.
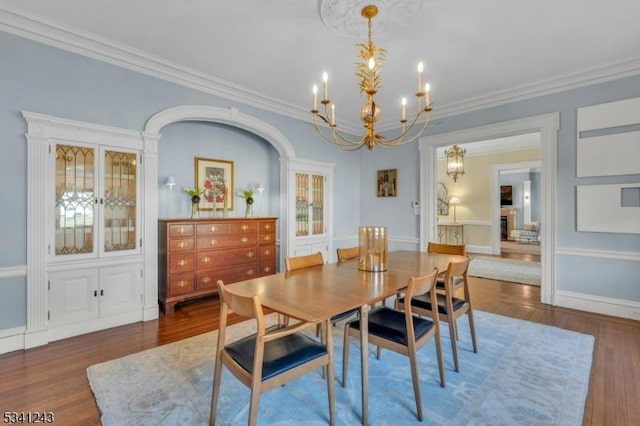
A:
(387, 183)
(216, 178)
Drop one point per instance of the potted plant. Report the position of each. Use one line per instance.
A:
(194, 194)
(247, 194)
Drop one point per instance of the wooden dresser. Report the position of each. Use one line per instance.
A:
(193, 254)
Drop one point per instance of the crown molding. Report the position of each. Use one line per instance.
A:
(45, 31)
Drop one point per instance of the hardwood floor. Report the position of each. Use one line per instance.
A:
(53, 378)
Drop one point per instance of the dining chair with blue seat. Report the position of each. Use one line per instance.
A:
(268, 358)
(447, 306)
(402, 332)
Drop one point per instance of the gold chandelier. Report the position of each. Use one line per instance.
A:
(455, 162)
(368, 72)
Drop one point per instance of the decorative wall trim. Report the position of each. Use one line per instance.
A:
(598, 304)
(13, 271)
(600, 254)
(466, 222)
(23, 24)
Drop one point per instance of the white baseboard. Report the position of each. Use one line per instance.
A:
(479, 249)
(12, 339)
(598, 304)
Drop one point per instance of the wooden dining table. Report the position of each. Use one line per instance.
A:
(317, 293)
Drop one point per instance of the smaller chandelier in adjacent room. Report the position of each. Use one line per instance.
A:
(455, 162)
(368, 72)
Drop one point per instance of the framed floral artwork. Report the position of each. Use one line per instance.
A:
(387, 185)
(216, 178)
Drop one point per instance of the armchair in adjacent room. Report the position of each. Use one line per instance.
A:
(529, 233)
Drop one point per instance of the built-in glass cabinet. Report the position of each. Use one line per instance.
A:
(96, 191)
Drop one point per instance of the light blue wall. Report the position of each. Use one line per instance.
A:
(39, 78)
(592, 275)
(516, 180)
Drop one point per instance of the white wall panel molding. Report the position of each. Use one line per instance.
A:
(611, 154)
(600, 254)
(600, 208)
(600, 305)
(13, 271)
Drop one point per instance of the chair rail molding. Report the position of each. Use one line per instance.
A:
(547, 126)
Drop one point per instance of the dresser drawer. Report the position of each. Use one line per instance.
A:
(180, 230)
(179, 263)
(207, 280)
(267, 253)
(181, 244)
(181, 284)
(267, 268)
(267, 226)
(222, 258)
(243, 228)
(227, 241)
(209, 229)
(267, 239)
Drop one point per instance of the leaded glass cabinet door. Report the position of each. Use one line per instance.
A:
(310, 205)
(75, 200)
(119, 204)
(96, 202)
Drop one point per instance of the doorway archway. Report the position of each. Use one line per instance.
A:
(547, 125)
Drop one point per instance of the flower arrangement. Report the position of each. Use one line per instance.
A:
(194, 192)
(247, 194)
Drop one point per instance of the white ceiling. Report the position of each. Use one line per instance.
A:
(269, 53)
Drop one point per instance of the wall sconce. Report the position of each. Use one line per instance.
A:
(454, 201)
(526, 198)
(260, 190)
(455, 161)
(170, 182)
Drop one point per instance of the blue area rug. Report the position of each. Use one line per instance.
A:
(523, 374)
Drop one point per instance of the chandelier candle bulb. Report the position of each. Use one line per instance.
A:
(333, 114)
(315, 97)
(404, 110)
(427, 89)
(325, 79)
(420, 69)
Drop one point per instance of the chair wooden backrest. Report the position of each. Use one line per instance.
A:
(459, 249)
(348, 253)
(245, 358)
(293, 263)
(395, 330)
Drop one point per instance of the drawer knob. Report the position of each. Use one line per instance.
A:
(267, 252)
(244, 227)
(267, 237)
(182, 262)
(206, 280)
(267, 227)
(214, 228)
(250, 272)
(244, 239)
(267, 268)
(206, 259)
(182, 284)
(181, 231)
(213, 242)
(250, 254)
(181, 244)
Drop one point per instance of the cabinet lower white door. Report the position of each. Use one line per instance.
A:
(86, 300)
(120, 290)
(73, 297)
